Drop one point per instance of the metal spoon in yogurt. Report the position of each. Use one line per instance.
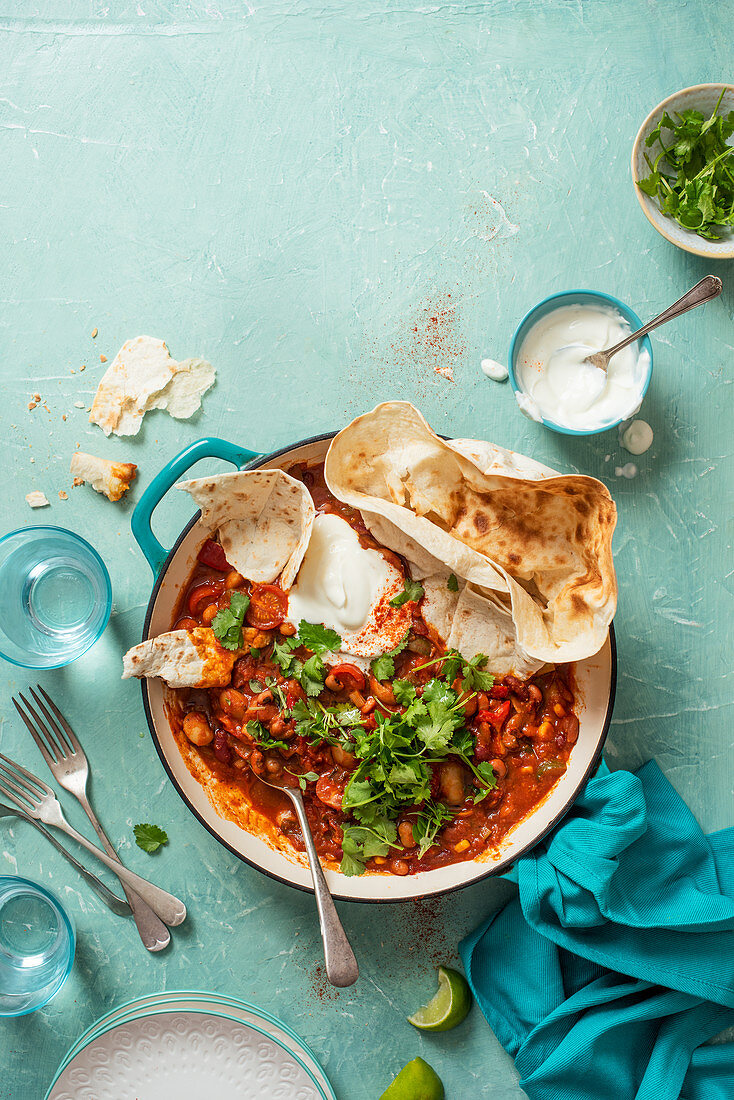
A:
(709, 287)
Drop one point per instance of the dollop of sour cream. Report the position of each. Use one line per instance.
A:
(569, 392)
(348, 588)
(636, 437)
(496, 371)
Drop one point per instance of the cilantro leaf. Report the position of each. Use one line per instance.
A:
(475, 678)
(452, 583)
(283, 656)
(312, 675)
(692, 176)
(404, 692)
(411, 593)
(318, 638)
(303, 778)
(262, 738)
(427, 824)
(227, 623)
(150, 837)
(383, 667)
(362, 842)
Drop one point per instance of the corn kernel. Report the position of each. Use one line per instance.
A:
(379, 860)
(560, 711)
(461, 846)
(546, 731)
(527, 768)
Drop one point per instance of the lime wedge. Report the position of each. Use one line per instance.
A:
(416, 1081)
(449, 1006)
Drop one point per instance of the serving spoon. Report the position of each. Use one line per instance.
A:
(709, 287)
(341, 964)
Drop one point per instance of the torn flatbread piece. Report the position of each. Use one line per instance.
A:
(264, 519)
(480, 624)
(110, 478)
(183, 658)
(543, 541)
(144, 376)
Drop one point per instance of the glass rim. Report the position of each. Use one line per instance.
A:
(106, 582)
(71, 949)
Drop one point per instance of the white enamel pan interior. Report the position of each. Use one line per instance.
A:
(595, 678)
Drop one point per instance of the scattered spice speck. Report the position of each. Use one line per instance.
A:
(103, 358)
(94, 333)
(32, 405)
(83, 366)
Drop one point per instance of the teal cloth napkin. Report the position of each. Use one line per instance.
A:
(616, 962)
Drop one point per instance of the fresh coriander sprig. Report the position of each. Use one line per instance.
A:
(692, 177)
(411, 593)
(227, 623)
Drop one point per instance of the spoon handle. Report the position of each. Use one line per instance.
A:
(341, 965)
(709, 287)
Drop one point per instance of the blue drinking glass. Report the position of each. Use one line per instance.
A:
(55, 597)
(37, 945)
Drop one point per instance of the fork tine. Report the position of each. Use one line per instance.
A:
(30, 798)
(22, 775)
(22, 806)
(54, 736)
(71, 737)
(36, 734)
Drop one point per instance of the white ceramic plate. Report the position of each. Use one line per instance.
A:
(207, 1003)
(183, 1056)
(595, 680)
(700, 97)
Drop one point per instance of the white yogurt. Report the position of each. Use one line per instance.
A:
(571, 393)
(636, 437)
(496, 371)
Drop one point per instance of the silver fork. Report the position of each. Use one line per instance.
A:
(117, 905)
(24, 789)
(69, 766)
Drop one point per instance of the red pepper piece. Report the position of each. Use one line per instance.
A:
(495, 718)
(212, 554)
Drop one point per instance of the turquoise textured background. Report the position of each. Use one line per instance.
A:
(332, 202)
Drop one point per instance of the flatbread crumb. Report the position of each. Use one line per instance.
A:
(63, 495)
(112, 479)
(37, 499)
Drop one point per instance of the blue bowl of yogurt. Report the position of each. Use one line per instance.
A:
(551, 383)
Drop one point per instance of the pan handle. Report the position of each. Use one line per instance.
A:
(210, 447)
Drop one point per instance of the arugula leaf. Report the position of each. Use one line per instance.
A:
(411, 593)
(150, 837)
(452, 583)
(404, 692)
(227, 623)
(318, 638)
